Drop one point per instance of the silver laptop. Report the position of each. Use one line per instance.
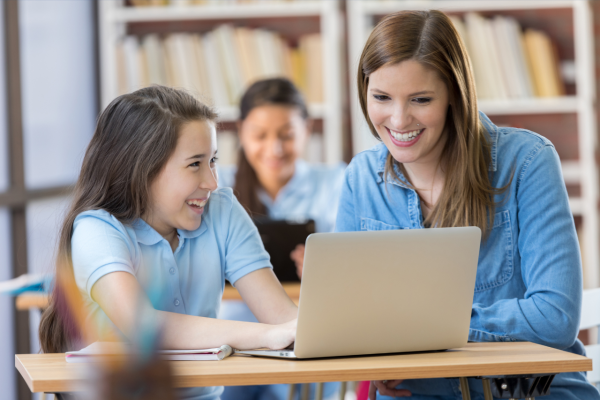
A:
(384, 292)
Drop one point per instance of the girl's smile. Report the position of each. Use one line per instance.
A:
(197, 205)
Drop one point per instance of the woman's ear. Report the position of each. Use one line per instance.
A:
(309, 126)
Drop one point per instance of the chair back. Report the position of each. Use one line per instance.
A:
(590, 317)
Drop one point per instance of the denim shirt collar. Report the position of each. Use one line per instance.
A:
(489, 126)
(148, 236)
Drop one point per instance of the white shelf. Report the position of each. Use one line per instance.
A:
(388, 7)
(228, 11)
(576, 204)
(571, 172)
(232, 114)
(550, 105)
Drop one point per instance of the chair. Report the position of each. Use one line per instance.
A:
(590, 317)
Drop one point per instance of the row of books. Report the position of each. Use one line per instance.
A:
(146, 3)
(507, 62)
(221, 64)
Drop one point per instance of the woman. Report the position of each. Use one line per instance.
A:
(443, 164)
(272, 180)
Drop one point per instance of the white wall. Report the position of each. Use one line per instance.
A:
(57, 72)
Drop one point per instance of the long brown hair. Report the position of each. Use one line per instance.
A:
(429, 37)
(134, 137)
(275, 91)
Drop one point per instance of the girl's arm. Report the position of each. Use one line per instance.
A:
(550, 263)
(122, 299)
(266, 298)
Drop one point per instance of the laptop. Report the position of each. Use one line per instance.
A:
(383, 292)
(280, 237)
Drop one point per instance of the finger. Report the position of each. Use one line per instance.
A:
(395, 392)
(379, 385)
(388, 388)
(393, 383)
(372, 391)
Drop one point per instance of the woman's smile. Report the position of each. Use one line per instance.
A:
(406, 138)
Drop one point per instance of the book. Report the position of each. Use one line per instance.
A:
(132, 60)
(25, 283)
(543, 61)
(94, 351)
(479, 56)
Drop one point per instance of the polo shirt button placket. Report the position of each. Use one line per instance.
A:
(172, 271)
(176, 302)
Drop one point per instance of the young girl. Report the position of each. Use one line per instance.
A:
(147, 214)
(272, 180)
(443, 164)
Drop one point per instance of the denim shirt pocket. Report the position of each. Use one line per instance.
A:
(368, 224)
(495, 266)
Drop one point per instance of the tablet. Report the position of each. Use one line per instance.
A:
(280, 237)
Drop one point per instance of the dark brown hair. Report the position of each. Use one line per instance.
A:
(429, 37)
(134, 137)
(275, 91)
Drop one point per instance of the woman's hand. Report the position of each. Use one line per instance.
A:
(387, 388)
(297, 255)
(282, 335)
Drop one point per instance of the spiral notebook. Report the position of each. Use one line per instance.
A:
(93, 352)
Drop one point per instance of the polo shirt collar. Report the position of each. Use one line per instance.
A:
(295, 184)
(146, 235)
(383, 152)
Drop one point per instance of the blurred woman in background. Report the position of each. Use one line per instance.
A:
(272, 180)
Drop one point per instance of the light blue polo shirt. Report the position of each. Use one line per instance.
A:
(312, 193)
(190, 280)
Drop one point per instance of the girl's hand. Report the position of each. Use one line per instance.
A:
(282, 335)
(387, 388)
(297, 255)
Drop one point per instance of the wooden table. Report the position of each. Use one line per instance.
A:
(51, 373)
(33, 300)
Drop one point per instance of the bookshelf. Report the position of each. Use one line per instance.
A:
(289, 19)
(581, 171)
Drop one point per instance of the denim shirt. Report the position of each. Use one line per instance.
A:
(529, 275)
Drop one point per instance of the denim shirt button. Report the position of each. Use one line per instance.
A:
(172, 271)
(176, 302)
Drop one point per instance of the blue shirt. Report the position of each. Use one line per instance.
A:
(529, 277)
(190, 280)
(312, 193)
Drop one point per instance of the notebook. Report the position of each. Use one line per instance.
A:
(96, 349)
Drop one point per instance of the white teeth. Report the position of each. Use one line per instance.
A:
(405, 137)
(196, 203)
